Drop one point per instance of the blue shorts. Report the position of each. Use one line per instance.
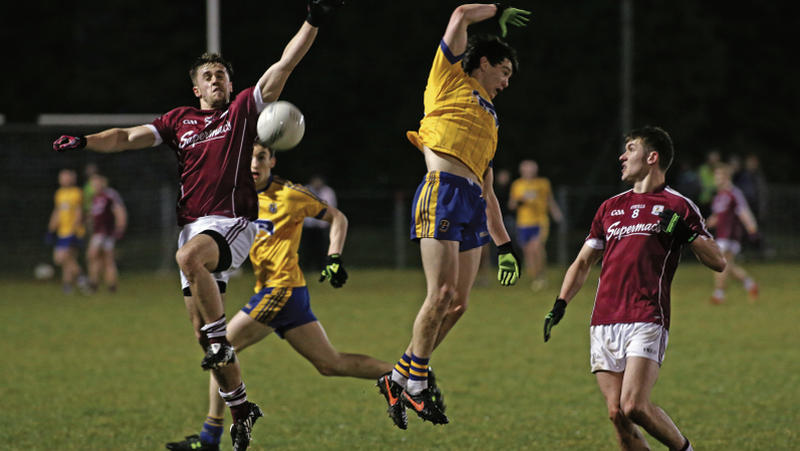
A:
(281, 308)
(525, 234)
(451, 208)
(68, 241)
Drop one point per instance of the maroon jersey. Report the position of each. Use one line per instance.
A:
(638, 261)
(727, 205)
(102, 211)
(214, 148)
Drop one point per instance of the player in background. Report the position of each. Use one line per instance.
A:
(532, 197)
(638, 234)
(729, 212)
(455, 202)
(109, 219)
(65, 229)
(281, 303)
(217, 201)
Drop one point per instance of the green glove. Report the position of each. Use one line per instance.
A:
(334, 271)
(507, 266)
(554, 317)
(673, 224)
(511, 16)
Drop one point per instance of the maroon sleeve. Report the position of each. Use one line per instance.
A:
(596, 231)
(694, 219)
(166, 125)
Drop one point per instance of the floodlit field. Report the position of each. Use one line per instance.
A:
(119, 372)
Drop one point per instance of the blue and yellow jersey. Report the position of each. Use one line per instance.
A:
(459, 120)
(69, 206)
(282, 207)
(532, 196)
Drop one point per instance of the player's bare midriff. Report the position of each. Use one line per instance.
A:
(436, 161)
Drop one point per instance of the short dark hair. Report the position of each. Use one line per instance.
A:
(492, 47)
(209, 58)
(657, 139)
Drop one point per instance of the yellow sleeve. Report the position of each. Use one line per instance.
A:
(305, 204)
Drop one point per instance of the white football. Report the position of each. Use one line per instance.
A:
(281, 125)
(44, 271)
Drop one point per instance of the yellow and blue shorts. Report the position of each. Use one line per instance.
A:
(528, 233)
(281, 308)
(450, 208)
(65, 242)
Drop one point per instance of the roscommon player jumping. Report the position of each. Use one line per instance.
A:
(455, 210)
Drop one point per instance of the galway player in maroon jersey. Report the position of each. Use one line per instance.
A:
(217, 201)
(109, 220)
(729, 213)
(639, 235)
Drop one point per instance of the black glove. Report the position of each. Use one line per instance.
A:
(334, 270)
(507, 265)
(554, 317)
(320, 10)
(673, 224)
(67, 142)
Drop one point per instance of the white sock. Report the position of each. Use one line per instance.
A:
(399, 378)
(416, 386)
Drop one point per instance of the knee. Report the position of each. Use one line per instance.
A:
(457, 310)
(327, 367)
(633, 410)
(615, 414)
(443, 295)
(188, 262)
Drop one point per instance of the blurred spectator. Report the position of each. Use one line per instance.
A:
(706, 174)
(109, 218)
(751, 180)
(688, 182)
(314, 246)
(88, 193)
(753, 183)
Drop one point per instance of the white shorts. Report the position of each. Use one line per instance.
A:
(726, 245)
(239, 233)
(104, 242)
(612, 344)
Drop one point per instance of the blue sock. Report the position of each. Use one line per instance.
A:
(212, 430)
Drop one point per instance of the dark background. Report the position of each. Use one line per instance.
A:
(713, 73)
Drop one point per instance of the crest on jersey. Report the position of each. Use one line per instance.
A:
(657, 209)
(444, 224)
(273, 208)
(486, 105)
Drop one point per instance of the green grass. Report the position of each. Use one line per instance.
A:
(122, 371)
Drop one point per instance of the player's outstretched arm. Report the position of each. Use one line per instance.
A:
(455, 36)
(334, 266)
(708, 252)
(274, 79)
(108, 141)
(507, 261)
(574, 279)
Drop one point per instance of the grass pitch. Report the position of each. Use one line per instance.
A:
(122, 371)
